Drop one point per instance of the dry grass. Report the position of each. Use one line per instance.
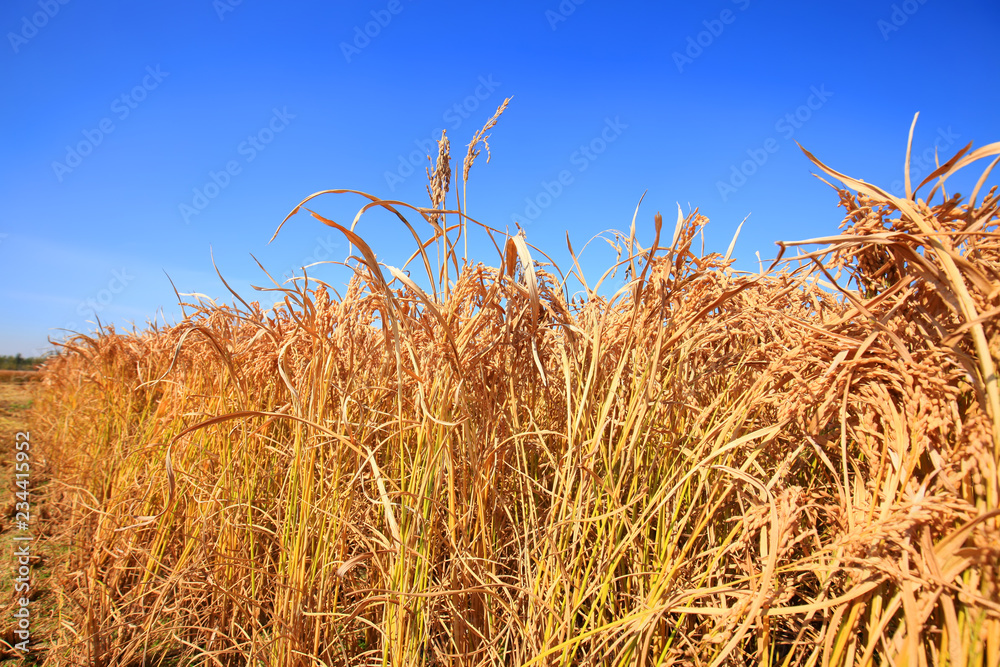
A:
(710, 468)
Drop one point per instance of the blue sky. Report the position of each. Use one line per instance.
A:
(144, 138)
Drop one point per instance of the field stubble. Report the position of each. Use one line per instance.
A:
(795, 467)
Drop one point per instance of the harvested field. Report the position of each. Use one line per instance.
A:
(15, 403)
(708, 467)
(18, 377)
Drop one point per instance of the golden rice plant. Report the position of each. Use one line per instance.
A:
(680, 463)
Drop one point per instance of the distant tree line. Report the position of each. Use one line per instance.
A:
(19, 363)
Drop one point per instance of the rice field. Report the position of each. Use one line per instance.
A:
(479, 467)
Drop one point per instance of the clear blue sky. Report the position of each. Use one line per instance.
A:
(118, 112)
